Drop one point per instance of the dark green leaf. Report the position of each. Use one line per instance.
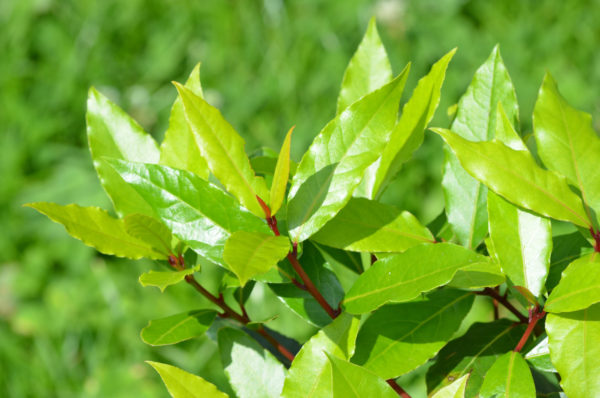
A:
(176, 328)
(565, 249)
(182, 384)
(509, 376)
(539, 356)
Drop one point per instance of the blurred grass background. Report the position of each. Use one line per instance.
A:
(69, 318)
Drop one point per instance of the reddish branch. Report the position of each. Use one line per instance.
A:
(534, 316)
(493, 294)
(397, 388)
(596, 236)
(307, 283)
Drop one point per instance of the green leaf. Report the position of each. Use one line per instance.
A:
(350, 380)
(456, 389)
(574, 341)
(281, 174)
(369, 226)
(96, 228)
(579, 286)
(474, 353)
(368, 70)
(522, 243)
(151, 231)
(310, 373)
(509, 376)
(515, 176)
(398, 338)
(112, 133)
(334, 164)
(567, 143)
(408, 134)
(477, 275)
(476, 121)
(162, 279)
(197, 212)
(565, 249)
(539, 356)
(252, 371)
(179, 148)
(402, 277)
(176, 328)
(223, 150)
(250, 253)
(182, 384)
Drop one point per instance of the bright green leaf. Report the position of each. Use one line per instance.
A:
(179, 148)
(368, 70)
(281, 174)
(579, 286)
(476, 121)
(252, 371)
(408, 134)
(182, 384)
(350, 380)
(515, 176)
(565, 249)
(111, 132)
(96, 228)
(567, 143)
(369, 226)
(334, 164)
(310, 373)
(176, 328)
(402, 277)
(474, 353)
(197, 212)
(477, 275)
(510, 377)
(223, 150)
(149, 230)
(162, 279)
(250, 253)
(456, 389)
(574, 341)
(397, 338)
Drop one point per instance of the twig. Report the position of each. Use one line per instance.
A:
(397, 388)
(534, 316)
(492, 293)
(263, 332)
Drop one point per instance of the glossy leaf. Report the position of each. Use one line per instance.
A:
(111, 132)
(477, 275)
(252, 371)
(515, 176)
(281, 175)
(579, 286)
(539, 356)
(163, 279)
(182, 384)
(250, 253)
(350, 380)
(402, 277)
(96, 228)
(176, 328)
(574, 341)
(474, 353)
(368, 70)
(397, 338)
(151, 231)
(179, 148)
(334, 164)
(567, 142)
(509, 376)
(197, 212)
(408, 133)
(223, 150)
(369, 226)
(476, 121)
(310, 373)
(565, 249)
(456, 389)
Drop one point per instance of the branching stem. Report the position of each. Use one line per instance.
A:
(492, 293)
(534, 316)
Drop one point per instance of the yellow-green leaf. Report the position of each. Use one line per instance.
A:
(579, 286)
(182, 384)
(281, 175)
(151, 231)
(162, 279)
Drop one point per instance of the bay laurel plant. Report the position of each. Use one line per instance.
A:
(518, 242)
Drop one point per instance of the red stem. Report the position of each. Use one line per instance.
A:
(275, 343)
(534, 316)
(492, 293)
(397, 388)
(596, 236)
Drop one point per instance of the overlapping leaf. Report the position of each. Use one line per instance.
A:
(336, 160)
(349, 380)
(579, 286)
(163, 279)
(198, 213)
(476, 121)
(176, 328)
(539, 356)
(281, 175)
(223, 150)
(111, 132)
(456, 389)
(369, 226)
(509, 376)
(96, 228)
(402, 277)
(151, 231)
(182, 384)
(478, 275)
